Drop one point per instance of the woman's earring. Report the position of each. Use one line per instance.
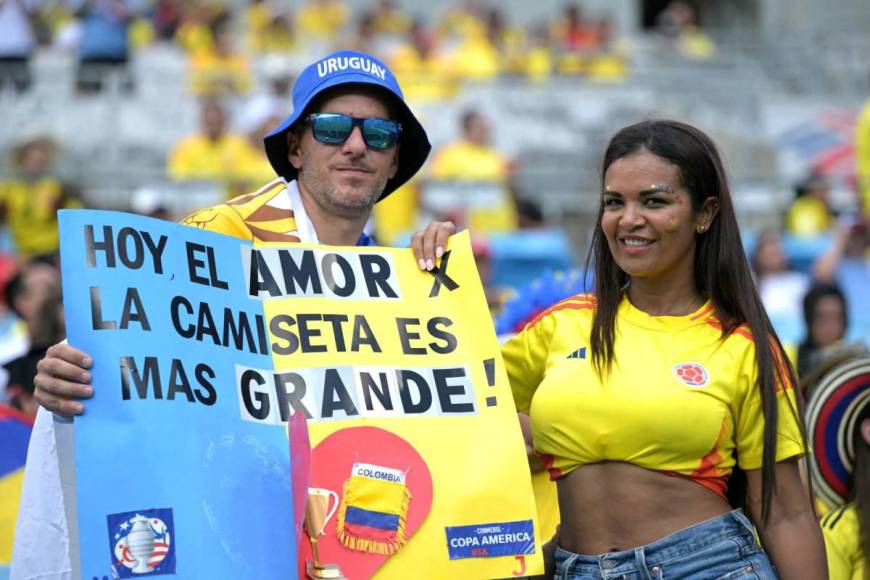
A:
(702, 229)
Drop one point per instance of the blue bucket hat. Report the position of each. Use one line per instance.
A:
(348, 67)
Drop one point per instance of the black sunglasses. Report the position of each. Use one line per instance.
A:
(334, 129)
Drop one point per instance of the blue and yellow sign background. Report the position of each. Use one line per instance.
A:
(199, 357)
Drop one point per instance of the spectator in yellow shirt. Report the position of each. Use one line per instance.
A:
(322, 19)
(472, 163)
(212, 154)
(476, 58)
(425, 74)
(810, 215)
(463, 21)
(30, 200)
(222, 70)
(387, 19)
(269, 28)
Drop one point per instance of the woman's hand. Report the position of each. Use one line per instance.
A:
(791, 537)
(429, 244)
(535, 463)
(63, 376)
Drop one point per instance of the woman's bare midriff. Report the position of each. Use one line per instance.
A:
(612, 506)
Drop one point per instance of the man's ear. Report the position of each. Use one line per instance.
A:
(294, 154)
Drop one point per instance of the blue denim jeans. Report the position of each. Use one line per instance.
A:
(723, 548)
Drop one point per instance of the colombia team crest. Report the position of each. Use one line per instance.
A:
(691, 373)
(142, 543)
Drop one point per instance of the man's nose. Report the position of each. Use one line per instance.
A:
(355, 144)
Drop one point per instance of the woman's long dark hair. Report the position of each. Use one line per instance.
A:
(721, 270)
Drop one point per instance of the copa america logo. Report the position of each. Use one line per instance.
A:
(141, 543)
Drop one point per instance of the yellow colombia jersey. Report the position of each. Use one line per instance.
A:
(843, 543)
(679, 398)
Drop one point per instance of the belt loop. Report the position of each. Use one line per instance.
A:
(567, 566)
(640, 562)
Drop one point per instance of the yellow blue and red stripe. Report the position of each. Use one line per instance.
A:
(15, 428)
(369, 522)
(372, 516)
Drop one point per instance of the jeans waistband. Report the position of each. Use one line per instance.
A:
(676, 545)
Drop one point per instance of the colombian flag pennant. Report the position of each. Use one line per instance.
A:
(374, 509)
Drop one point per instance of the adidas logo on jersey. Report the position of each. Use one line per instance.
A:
(579, 353)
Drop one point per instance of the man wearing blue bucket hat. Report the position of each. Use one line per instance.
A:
(350, 142)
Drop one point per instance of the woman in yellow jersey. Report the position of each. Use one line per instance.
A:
(645, 396)
(838, 422)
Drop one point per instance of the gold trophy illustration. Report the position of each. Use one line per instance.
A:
(317, 515)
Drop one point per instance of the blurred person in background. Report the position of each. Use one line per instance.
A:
(364, 38)
(826, 319)
(583, 46)
(810, 215)
(426, 73)
(529, 215)
(104, 49)
(29, 201)
(212, 154)
(221, 70)
(509, 42)
(472, 161)
(271, 102)
(195, 33)
(166, 17)
(13, 332)
(496, 296)
(539, 55)
(781, 288)
(254, 167)
(269, 28)
(33, 294)
(17, 42)
(389, 20)
(322, 19)
(679, 23)
(477, 56)
(461, 19)
(846, 262)
(574, 33)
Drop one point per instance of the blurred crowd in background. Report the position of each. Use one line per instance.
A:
(160, 106)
